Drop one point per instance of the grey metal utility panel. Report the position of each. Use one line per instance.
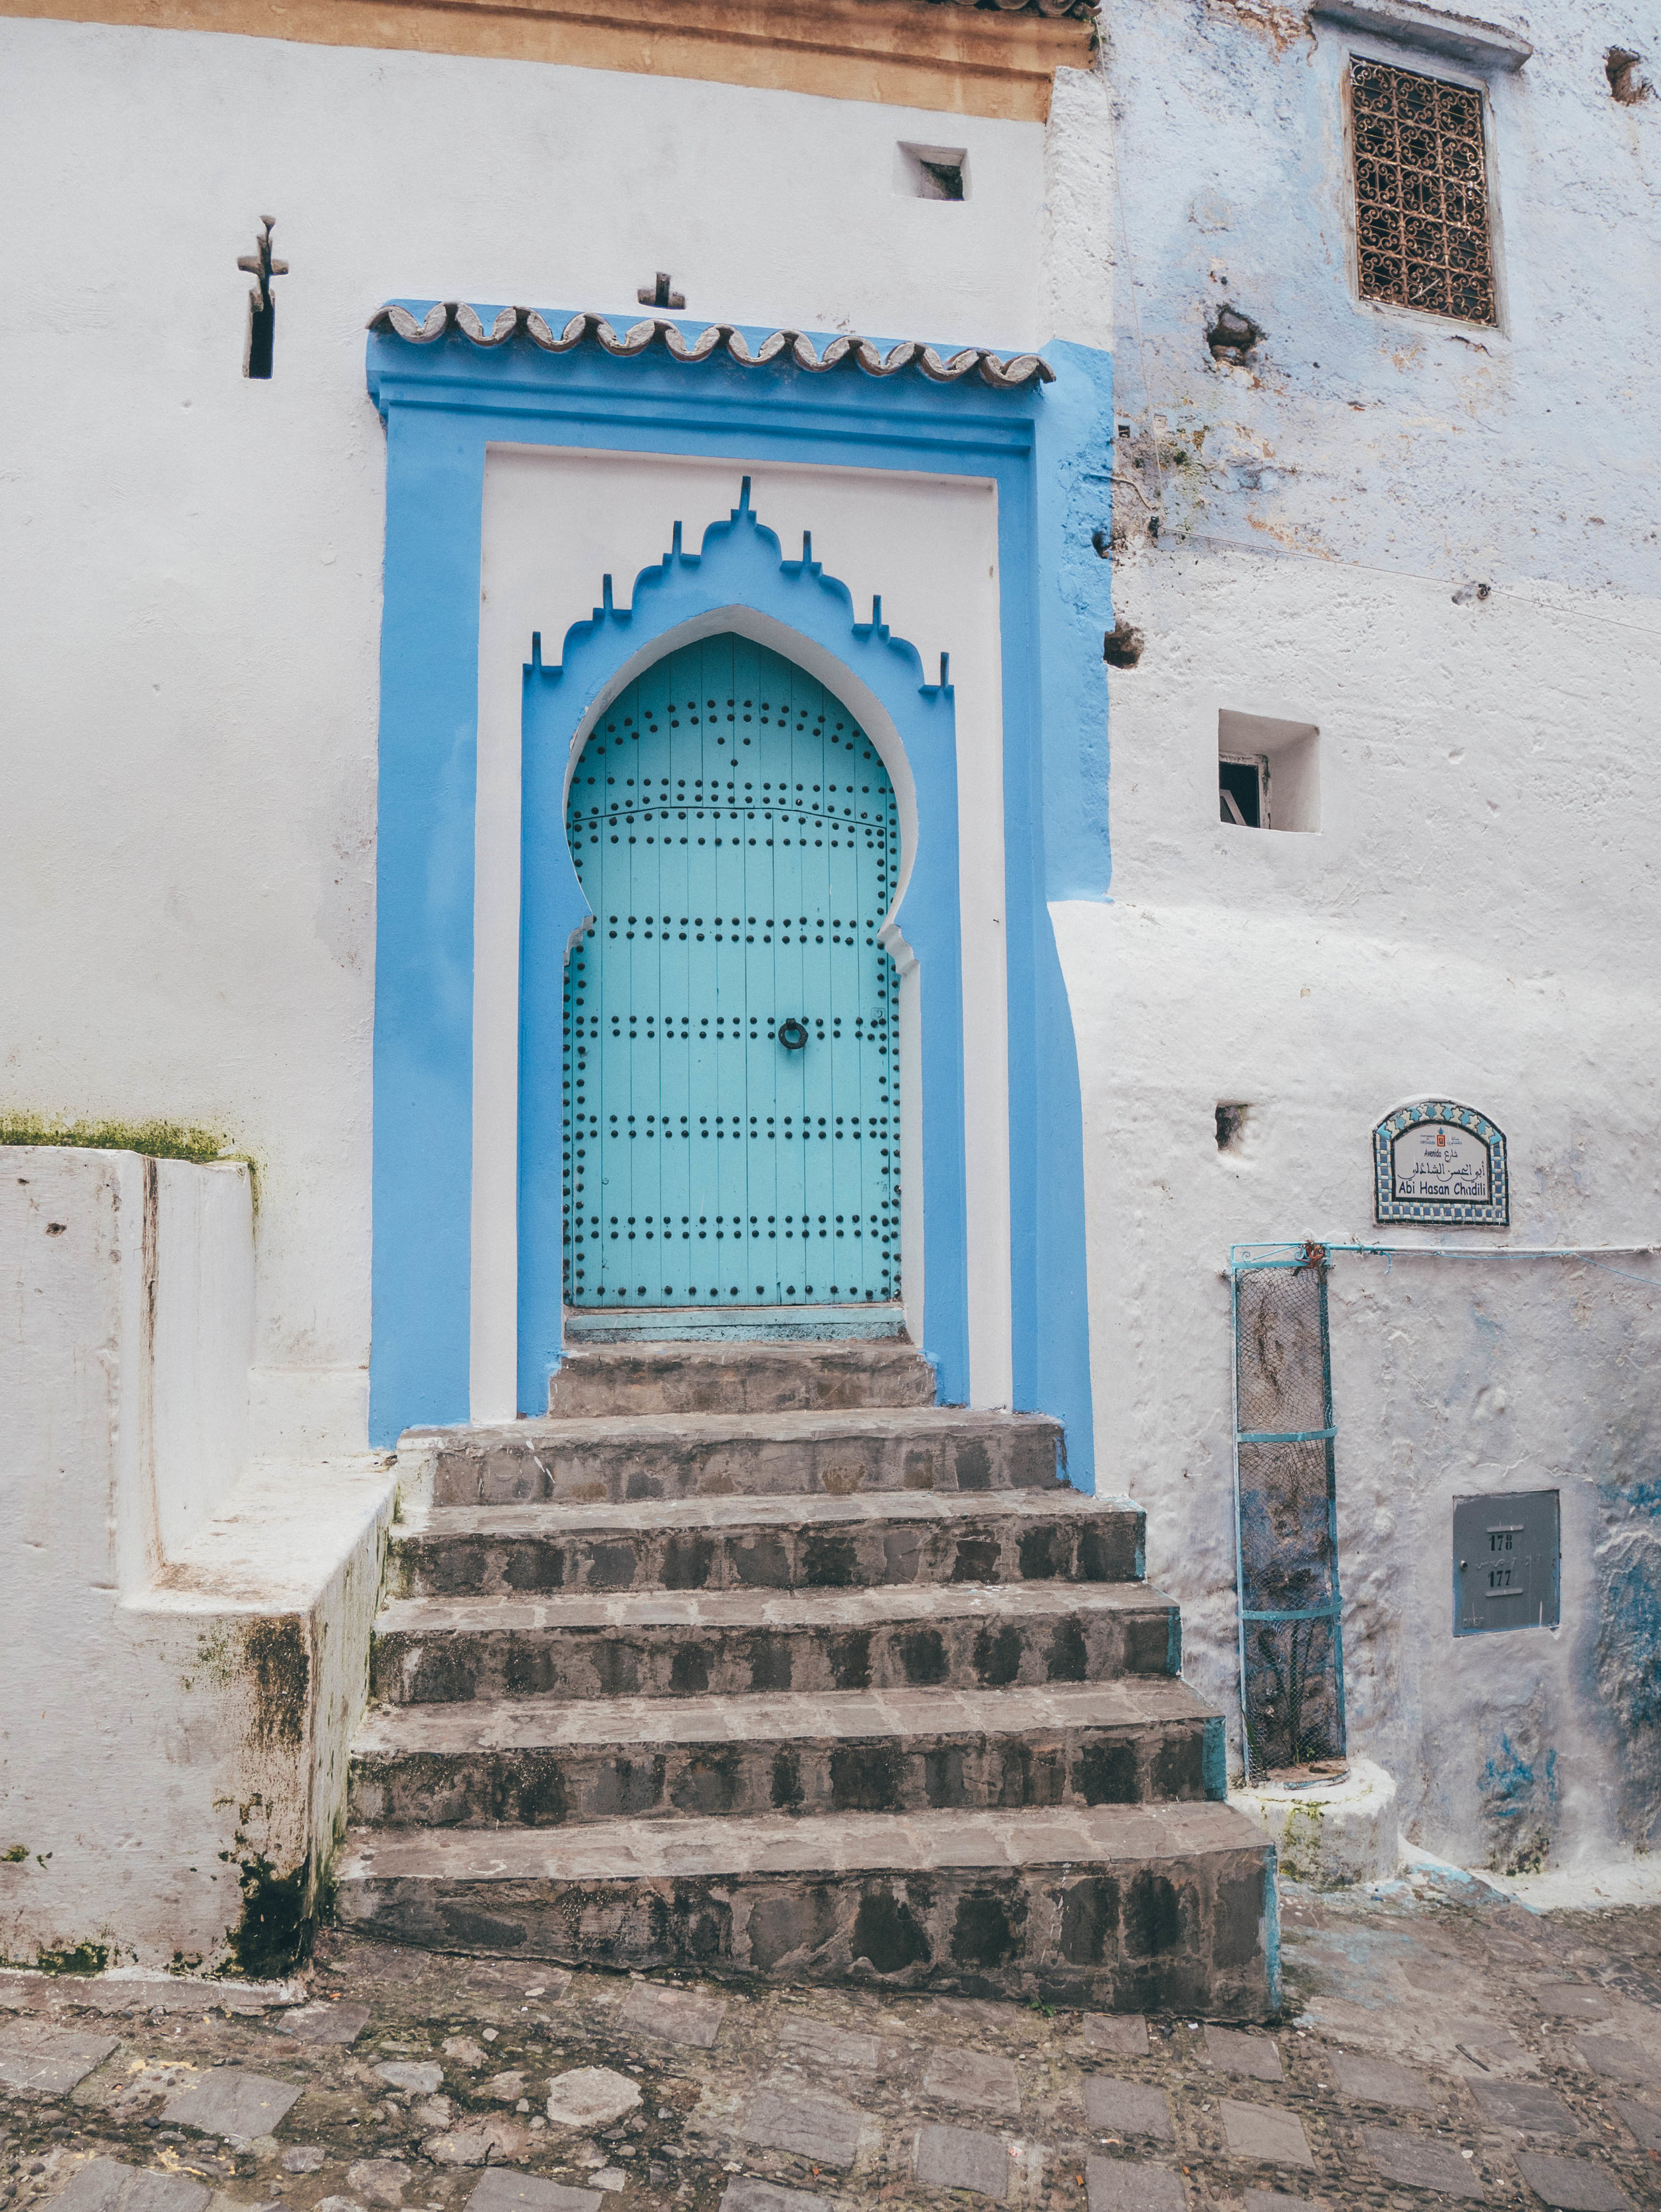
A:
(1507, 1556)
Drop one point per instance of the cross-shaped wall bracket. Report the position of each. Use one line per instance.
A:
(262, 306)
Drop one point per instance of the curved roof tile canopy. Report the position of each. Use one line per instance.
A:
(1003, 375)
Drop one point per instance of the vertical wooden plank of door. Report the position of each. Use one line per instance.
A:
(807, 776)
(795, 1074)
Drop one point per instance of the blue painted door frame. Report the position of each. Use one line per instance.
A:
(1047, 450)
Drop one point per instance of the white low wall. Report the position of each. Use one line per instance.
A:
(188, 1634)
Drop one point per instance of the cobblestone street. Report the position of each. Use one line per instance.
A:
(1440, 2042)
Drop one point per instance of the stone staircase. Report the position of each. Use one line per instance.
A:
(751, 1660)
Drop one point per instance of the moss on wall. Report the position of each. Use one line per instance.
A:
(155, 1140)
(274, 1935)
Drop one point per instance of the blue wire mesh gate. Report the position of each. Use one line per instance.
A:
(1285, 1514)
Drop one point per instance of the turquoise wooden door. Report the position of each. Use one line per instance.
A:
(732, 1031)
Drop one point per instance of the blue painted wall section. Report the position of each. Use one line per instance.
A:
(1046, 449)
(422, 1176)
(739, 563)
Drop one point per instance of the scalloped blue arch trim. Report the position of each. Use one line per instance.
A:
(1048, 451)
(741, 563)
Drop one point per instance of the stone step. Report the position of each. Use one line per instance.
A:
(665, 1456)
(815, 1376)
(430, 1650)
(885, 1537)
(1164, 1908)
(540, 1762)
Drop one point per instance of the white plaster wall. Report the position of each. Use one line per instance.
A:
(554, 523)
(1475, 916)
(1363, 432)
(188, 1638)
(190, 563)
(204, 1312)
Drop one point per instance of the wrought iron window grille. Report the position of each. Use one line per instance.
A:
(1422, 221)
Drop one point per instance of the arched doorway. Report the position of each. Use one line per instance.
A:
(731, 1072)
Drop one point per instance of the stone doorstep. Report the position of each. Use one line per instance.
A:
(551, 1761)
(809, 1541)
(651, 1456)
(665, 1644)
(1160, 1905)
(808, 1375)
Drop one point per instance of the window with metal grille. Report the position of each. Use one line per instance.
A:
(1421, 215)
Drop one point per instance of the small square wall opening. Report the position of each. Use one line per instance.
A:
(932, 173)
(1269, 772)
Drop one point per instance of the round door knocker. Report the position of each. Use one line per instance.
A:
(793, 1034)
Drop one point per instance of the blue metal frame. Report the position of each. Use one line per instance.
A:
(1048, 451)
(1255, 1262)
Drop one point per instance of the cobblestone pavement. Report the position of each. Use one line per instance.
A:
(1440, 2044)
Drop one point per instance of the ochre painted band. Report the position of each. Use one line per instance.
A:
(905, 53)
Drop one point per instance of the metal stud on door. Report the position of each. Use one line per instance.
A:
(731, 1025)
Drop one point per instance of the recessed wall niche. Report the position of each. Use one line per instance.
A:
(931, 173)
(1269, 772)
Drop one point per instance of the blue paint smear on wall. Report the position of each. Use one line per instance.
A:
(1519, 1801)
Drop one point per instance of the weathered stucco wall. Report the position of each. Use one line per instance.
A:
(1359, 432)
(188, 1636)
(1472, 918)
(192, 580)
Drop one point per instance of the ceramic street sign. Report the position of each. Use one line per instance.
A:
(1437, 1161)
